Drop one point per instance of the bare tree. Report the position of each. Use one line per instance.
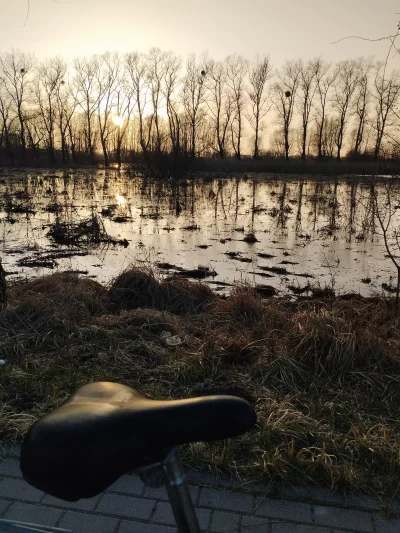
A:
(46, 86)
(361, 101)
(220, 103)
(7, 119)
(193, 96)
(137, 77)
(306, 91)
(285, 93)
(16, 68)
(155, 73)
(107, 82)
(172, 65)
(86, 75)
(344, 87)
(236, 70)
(325, 77)
(124, 102)
(260, 74)
(386, 94)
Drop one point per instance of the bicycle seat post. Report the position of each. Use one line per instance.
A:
(170, 472)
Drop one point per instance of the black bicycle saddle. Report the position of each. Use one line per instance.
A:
(107, 429)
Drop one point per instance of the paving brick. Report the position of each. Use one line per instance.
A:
(161, 493)
(395, 505)
(203, 478)
(284, 510)
(137, 527)
(36, 514)
(3, 506)
(85, 504)
(10, 467)
(85, 523)
(278, 527)
(225, 522)
(128, 485)
(18, 489)
(164, 515)
(252, 524)
(10, 450)
(343, 518)
(362, 503)
(383, 525)
(223, 499)
(127, 506)
(313, 494)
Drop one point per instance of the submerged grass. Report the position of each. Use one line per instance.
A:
(323, 373)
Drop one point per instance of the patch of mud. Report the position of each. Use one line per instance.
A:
(167, 266)
(121, 219)
(191, 227)
(220, 283)
(201, 272)
(196, 273)
(263, 274)
(389, 288)
(37, 261)
(53, 208)
(250, 238)
(266, 291)
(151, 216)
(237, 257)
(67, 253)
(14, 251)
(108, 211)
(275, 270)
(19, 209)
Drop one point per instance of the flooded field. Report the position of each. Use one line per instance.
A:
(281, 233)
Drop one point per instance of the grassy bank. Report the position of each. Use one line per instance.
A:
(323, 374)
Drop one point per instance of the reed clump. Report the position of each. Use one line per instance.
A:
(322, 373)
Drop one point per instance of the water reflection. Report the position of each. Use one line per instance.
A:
(312, 227)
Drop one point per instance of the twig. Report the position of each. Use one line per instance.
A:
(29, 8)
(365, 38)
(27, 14)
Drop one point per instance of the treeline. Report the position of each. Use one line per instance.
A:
(121, 106)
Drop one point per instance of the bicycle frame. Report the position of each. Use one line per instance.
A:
(168, 471)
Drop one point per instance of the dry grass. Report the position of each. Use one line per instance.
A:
(323, 374)
(138, 287)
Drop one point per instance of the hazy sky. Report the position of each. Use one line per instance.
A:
(286, 29)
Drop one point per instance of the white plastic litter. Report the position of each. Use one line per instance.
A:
(174, 340)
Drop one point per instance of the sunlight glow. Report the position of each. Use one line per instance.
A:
(118, 120)
(121, 200)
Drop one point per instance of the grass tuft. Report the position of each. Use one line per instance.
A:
(323, 373)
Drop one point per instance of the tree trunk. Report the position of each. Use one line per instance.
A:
(3, 287)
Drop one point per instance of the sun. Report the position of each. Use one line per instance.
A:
(121, 200)
(118, 120)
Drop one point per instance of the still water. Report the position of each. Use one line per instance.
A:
(308, 230)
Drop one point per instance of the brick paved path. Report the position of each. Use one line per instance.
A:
(130, 507)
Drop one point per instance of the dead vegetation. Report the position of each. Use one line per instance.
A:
(85, 232)
(323, 374)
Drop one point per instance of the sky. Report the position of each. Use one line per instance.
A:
(284, 29)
